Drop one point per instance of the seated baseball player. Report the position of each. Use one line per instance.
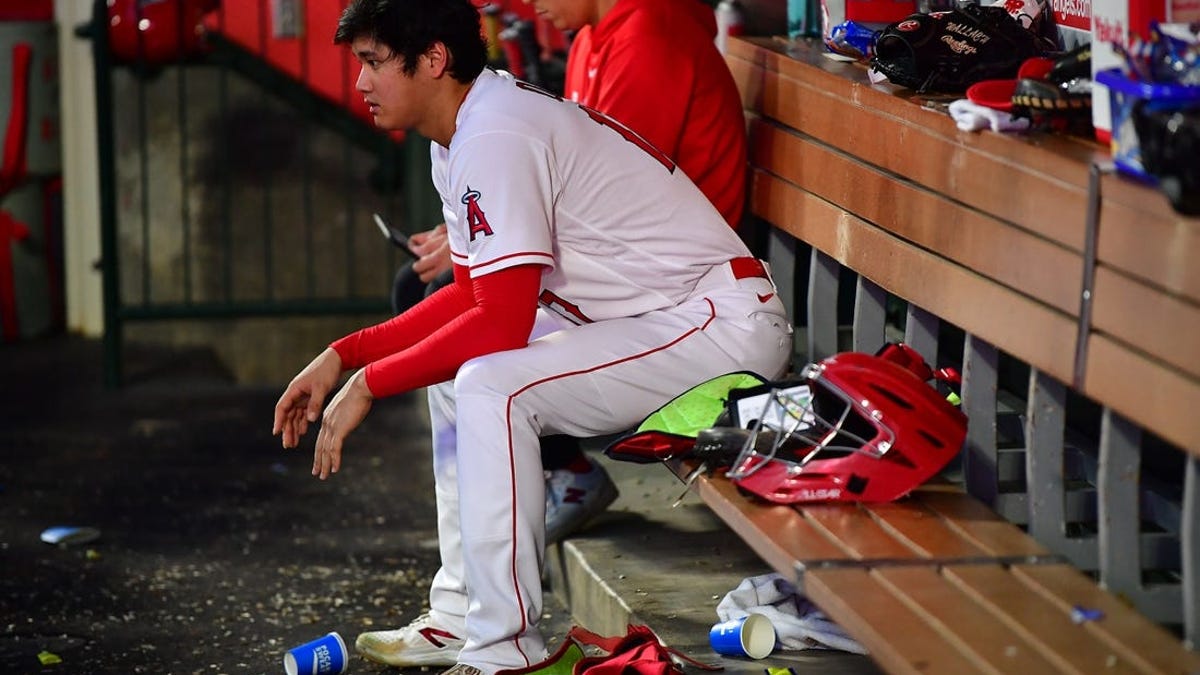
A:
(651, 65)
(593, 282)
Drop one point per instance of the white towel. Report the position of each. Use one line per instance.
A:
(798, 623)
(971, 116)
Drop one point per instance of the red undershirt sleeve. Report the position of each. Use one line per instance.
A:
(409, 327)
(428, 343)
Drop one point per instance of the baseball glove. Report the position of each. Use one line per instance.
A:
(949, 51)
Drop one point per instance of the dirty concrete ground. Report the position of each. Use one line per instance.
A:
(218, 550)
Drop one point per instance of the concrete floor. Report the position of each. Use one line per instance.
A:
(217, 550)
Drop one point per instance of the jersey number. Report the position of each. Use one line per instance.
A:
(600, 118)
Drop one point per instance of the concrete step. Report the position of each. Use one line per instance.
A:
(646, 562)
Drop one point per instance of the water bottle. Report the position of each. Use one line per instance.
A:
(729, 22)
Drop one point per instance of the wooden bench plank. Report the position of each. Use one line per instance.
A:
(856, 530)
(1140, 235)
(789, 539)
(847, 83)
(748, 74)
(1163, 325)
(897, 638)
(1013, 256)
(923, 529)
(1133, 636)
(977, 523)
(1043, 336)
(1159, 398)
(809, 94)
(961, 622)
(1039, 622)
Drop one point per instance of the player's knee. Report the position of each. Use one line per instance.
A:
(482, 376)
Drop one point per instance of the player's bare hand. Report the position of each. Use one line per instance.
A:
(345, 412)
(428, 241)
(301, 402)
(429, 266)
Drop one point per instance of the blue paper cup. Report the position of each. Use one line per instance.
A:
(324, 656)
(752, 635)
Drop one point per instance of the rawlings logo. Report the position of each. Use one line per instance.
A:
(958, 46)
(477, 222)
(908, 25)
(972, 34)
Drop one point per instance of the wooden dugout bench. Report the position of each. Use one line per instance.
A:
(1059, 547)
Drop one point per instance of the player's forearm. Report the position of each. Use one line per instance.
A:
(502, 319)
(435, 359)
(405, 330)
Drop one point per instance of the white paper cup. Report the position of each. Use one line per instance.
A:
(752, 635)
(324, 656)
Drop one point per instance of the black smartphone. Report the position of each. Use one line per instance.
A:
(398, 238)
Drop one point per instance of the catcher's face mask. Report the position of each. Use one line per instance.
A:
(856, 427)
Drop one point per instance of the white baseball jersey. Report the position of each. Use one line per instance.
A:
(530, 178)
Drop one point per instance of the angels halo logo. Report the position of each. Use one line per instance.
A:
(477, 222)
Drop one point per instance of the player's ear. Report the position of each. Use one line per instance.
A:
(437, 59)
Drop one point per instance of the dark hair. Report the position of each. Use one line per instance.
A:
(410, 27)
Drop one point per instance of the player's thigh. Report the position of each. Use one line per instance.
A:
(603, 377)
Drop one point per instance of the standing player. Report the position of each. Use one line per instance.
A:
(566, 316)
(653, 66)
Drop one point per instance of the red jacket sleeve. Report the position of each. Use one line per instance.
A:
(428, 343)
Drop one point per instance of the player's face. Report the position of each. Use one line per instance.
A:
(567, 14)
(391, 95)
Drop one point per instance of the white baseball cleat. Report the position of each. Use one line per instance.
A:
(420, 643)
(572, 499)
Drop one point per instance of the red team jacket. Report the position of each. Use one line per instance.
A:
(652, 65)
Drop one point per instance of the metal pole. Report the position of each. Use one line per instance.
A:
(108, 210)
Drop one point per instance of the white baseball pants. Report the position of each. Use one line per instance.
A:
(582, 380)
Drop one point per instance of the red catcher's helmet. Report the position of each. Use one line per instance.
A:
(865, 428)
(157, 31)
